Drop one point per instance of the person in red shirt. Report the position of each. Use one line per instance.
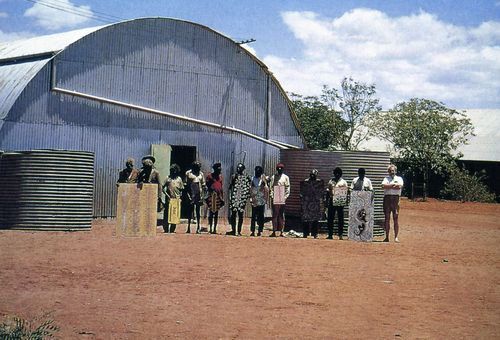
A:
(215, 199)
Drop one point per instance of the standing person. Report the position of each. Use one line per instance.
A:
(336, 200)
(311, 192)
(215, 199)
(239, 191)
(129, 174)
(361, 183)
(172, 187)
(149, 174)
(258, 199)
(195, 184)
(279, 186)
(392, 185)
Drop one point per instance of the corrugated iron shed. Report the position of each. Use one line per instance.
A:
(117, 90)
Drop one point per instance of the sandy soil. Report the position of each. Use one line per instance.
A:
(441, 282)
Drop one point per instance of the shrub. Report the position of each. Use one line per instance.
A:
(466, 187)
(16, 328)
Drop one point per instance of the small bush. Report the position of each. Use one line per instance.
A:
(466, 187)
(16, 328)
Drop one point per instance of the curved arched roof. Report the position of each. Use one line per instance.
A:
(21, 60)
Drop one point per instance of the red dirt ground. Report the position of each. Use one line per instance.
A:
(441, 282)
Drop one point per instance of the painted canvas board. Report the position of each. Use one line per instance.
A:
(279, 194)
(136, 209)
(174, 211)
(312, 194)
(339, 196)
(361, 216)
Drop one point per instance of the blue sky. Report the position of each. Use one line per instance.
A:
(443, 50)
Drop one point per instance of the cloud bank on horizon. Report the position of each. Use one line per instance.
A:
(406, 57)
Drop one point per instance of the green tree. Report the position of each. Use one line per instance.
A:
(337, 119)
(425, 134)
(321, 126)
(358, 105)
(466, 187)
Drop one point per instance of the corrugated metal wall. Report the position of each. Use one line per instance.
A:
(46, 189)
(165, 64)
(171, 66)
(299, 163)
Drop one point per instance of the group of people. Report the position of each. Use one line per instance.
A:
(260, 190)
(337, 195)
(242, 188)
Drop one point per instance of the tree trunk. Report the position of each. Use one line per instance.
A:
(426, 182)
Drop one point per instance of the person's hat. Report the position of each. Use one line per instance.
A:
(280, 165)
(149, 157)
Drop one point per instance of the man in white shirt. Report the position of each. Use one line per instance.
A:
(392, 185)
(279, 191)
(361, 183)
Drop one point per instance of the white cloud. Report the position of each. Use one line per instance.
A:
(408, 56)
(3, 15)
(58, 14)
(5, 37)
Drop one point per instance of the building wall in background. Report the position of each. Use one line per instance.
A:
(164, 64)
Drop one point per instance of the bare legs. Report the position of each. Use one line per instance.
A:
(213, 217)
(196, 209)
(257, 216)
(391, 205)
(278, 219)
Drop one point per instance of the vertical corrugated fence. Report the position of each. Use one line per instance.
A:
(298, 164)
(46, 190)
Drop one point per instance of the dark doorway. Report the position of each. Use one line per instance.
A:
(183, 156)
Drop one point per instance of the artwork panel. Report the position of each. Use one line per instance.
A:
(174, 211)
(136, 210)
(339, 197)
(312, 193)
(279, 195)
(361, 216)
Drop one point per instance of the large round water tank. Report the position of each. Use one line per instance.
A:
(46, 189)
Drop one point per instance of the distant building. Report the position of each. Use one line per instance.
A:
(174, 88)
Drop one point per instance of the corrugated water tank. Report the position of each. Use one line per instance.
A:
(298, 164)
(46, 190)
